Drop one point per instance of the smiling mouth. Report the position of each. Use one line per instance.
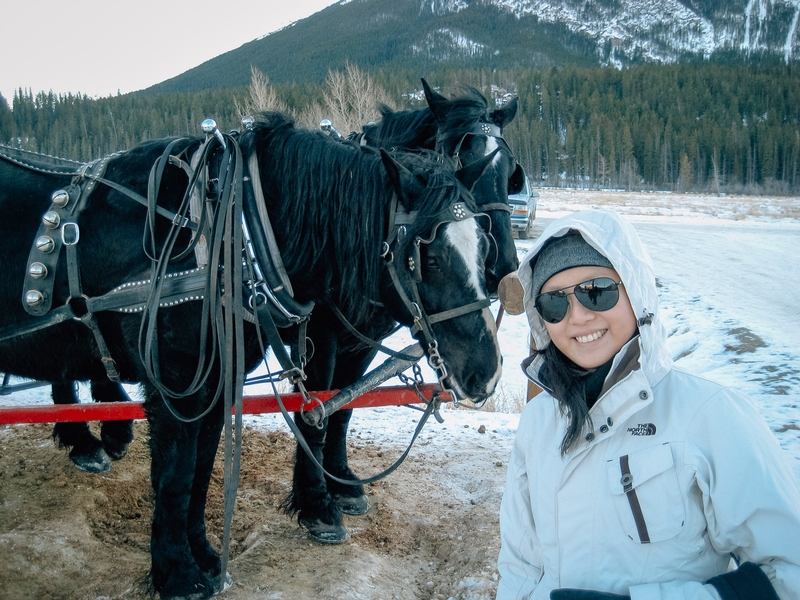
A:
(585, 339)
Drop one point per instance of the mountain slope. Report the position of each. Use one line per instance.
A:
(421, 35)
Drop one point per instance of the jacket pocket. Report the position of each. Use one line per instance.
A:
(647, 494)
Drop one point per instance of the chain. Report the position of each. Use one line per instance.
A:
(436, 361)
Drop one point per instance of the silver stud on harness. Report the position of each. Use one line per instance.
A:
(51, 219)
(45, 244)
(60, 198)
(37, 270)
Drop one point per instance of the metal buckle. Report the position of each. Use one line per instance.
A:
(307, 400)
(70, 239)
(295, 374)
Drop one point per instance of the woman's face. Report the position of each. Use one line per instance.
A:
(588, 338)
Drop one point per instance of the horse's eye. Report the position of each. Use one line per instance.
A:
(431, 262)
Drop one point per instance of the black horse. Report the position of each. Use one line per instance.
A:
(464, 128)
(463, 125)
(332, 207)
(85, 450)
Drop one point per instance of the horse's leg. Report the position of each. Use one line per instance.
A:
(309, 498)
(87, 451)
(116, 435)
(208, 441)
(316, 510)
(173, 448)
(350, 498)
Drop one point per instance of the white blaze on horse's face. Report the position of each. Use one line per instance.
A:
(491, 146)
(465, 238)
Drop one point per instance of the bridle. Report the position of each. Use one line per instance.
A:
(488, 130)
(400, 221)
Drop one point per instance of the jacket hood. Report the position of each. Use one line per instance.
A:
(617, 240)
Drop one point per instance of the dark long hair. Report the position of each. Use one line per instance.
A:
(418, 128)
(414, 128)
(566, 382)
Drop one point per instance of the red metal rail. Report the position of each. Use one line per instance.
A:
(122, 411)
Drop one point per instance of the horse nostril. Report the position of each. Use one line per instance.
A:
(477, 382)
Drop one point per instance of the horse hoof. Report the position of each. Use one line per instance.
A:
(96, 461)
(353, 506)
(117, 453)
(201, 594)
(325, 533)
(221, 586)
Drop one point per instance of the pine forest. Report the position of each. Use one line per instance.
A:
(690, 127)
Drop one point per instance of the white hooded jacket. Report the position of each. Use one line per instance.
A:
(677, 476)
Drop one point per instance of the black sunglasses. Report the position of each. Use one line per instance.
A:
(598, 294)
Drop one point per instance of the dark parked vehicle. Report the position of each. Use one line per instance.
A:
(524, 210)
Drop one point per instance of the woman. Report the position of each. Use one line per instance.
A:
(630, 478)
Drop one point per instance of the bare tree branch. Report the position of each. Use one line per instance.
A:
(262, 96)
(352, 98)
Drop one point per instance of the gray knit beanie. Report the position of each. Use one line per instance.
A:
(562, 253)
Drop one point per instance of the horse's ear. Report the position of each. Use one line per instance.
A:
(436, 102)
(503, 116)
(403, 181)
(470, 174)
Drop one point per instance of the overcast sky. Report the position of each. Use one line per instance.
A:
(101, 47)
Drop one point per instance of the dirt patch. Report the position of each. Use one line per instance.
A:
(72, 535)
(746, 341)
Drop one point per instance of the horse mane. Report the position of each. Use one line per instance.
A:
(329, 203)
(463, 113)
(413, 128)
(417, 128)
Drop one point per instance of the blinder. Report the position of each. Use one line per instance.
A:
(457, 211)
(517, 180)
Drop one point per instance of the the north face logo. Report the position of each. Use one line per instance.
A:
(643, 429)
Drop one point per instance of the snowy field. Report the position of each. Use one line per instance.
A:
(726, 267)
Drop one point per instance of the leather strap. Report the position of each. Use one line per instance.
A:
(456, 312)
(364, 339)
(171, 216)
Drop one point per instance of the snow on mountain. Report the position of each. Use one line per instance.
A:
(443, 7)
(664, 31)
(446, 44)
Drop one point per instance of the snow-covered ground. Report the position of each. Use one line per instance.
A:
(727, 268)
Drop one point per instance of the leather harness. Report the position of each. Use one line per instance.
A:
(271, 300)
(220, 175)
